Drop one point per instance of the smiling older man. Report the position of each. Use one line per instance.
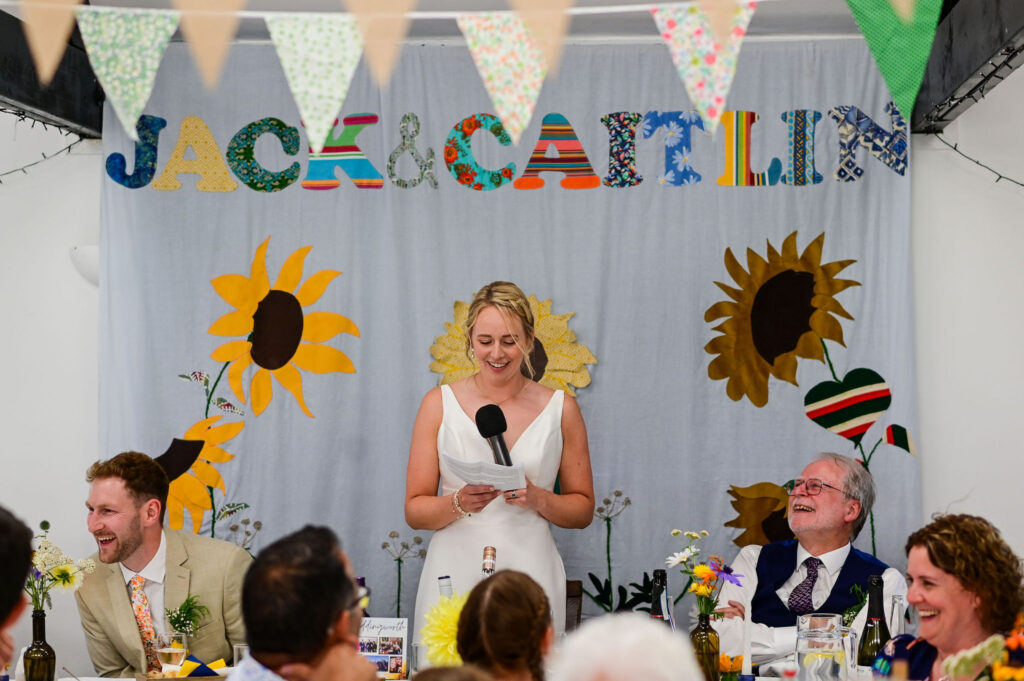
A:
(817, 571)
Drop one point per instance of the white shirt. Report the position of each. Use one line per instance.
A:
(154, 573)
(767, 642)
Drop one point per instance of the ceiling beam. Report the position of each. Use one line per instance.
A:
(977, 44)
(73, 100)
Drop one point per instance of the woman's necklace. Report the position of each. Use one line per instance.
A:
(491, 400)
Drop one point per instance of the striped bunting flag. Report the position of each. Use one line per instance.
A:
(849, 408)
(898, 436)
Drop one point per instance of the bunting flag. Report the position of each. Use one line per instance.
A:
(898, 436)
(705, 66)
(48, 25)
(510, 64)
(319, 53)
(900, 48)
(383, 32)
(209, 27)
(125, 47)
(904, 8)
(720, 14)
(547, 21)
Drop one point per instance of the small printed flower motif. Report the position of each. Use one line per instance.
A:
(690, 117)
(679, 160)
(667, 178)
(673, 134)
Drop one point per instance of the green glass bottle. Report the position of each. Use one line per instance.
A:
(876, 632)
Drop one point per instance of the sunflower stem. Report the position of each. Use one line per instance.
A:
(209, 395)
(866, 462)
(872, 452)
(829, 361)
(608, 547)
(398, 601)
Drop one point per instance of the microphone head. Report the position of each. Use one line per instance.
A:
(490, 420)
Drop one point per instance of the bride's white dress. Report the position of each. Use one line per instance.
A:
(522, 537)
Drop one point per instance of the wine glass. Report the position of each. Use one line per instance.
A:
(171, 648)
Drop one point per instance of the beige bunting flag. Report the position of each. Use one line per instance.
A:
(548, 22)
(720, 14)
(383, 25)
(209, 27)
(904, 9)
(48, 25)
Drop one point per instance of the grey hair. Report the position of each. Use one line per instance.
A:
(625, 647)
(857, 484)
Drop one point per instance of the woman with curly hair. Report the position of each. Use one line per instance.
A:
(505, 627)
(965, 583)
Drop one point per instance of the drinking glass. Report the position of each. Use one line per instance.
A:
(171, 648)
(849, 653)
(240, 652)
(819, 647)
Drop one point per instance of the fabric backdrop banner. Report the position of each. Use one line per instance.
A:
(723, 307)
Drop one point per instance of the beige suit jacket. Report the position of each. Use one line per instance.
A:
(209, 569)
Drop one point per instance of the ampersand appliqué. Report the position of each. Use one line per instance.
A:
(409, 128)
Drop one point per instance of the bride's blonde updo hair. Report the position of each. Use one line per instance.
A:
(509, 300)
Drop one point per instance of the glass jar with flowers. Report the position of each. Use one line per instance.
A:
(704, 581)
(51, 568)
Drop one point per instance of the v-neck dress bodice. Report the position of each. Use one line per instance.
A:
(522, 537)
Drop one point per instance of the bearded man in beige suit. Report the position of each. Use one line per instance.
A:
(127, 498)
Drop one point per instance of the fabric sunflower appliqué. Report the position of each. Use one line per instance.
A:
(280, 336)
(782, 308)
(439, 633)
(559, 362)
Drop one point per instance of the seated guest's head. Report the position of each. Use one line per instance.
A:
(829, 502)
(16, 549)
(466, 672)
(299, 599)
(964, 580)
(127, 497)
(505, 627)
(625, 647)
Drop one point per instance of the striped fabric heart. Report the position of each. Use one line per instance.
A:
(850, 407)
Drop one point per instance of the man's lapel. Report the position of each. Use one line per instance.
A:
(124, 614)
(176, 579)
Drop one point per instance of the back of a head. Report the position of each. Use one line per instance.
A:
(294, 592)
(503, 625)
(16, 549)
(625, 647)
(466, 672)
(143, 477)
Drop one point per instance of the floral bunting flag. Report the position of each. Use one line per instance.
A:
(319, 53)
(510, 63)
(900, 48)
(209, 27)
(48, 25)
(125, 47)
(705, 66)
(383, 31)
(547, 21)
(719, 14)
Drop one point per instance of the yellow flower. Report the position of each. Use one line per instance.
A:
(781, 310)
(676, 533)
(188, 464)
(559, 362)
(704, 573)
(702, 589)
(67, 576)
(692, 535)
(280, 338)
(730, 664)
(439, 633)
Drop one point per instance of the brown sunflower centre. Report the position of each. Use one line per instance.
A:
(277, 330)
(538, 359)
(781, 313)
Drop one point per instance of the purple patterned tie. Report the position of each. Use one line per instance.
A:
(800, 598)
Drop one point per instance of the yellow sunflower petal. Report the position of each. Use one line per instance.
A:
(215, 454)
(291, 271)
(809, 346)
(315, 286)
(175, 512)
(736, 294)
(208, 475)
(235, 376)
(826, 326)
(833, 268)
(811, 257)
(785, 367)
(322, 359)
(290, 378)
(218, 435)
(735, 270)
(235, 289)
(237, 323)
(760, 270)
(830, 304)
(260, 391)
(198, 431)
(723, 308)
(191, 492)
(230, 351)
(258, 281)
(318, 327)
(790, 254)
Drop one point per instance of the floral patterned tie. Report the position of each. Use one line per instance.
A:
(800, 598)
(144, 618)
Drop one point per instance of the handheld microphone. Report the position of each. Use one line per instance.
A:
(490, 421)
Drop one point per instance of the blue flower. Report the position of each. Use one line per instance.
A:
(673, 134)
(667, 178)
(679, 160)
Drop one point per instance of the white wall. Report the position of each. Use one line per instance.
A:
(968, 241)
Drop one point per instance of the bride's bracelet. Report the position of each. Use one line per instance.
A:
(456, 506)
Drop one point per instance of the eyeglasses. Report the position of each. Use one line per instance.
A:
(812, 487)
(362, 600)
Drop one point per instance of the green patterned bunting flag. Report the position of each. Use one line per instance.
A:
(125, 47)
(898, 436)
(900, 48)
(319, 53)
